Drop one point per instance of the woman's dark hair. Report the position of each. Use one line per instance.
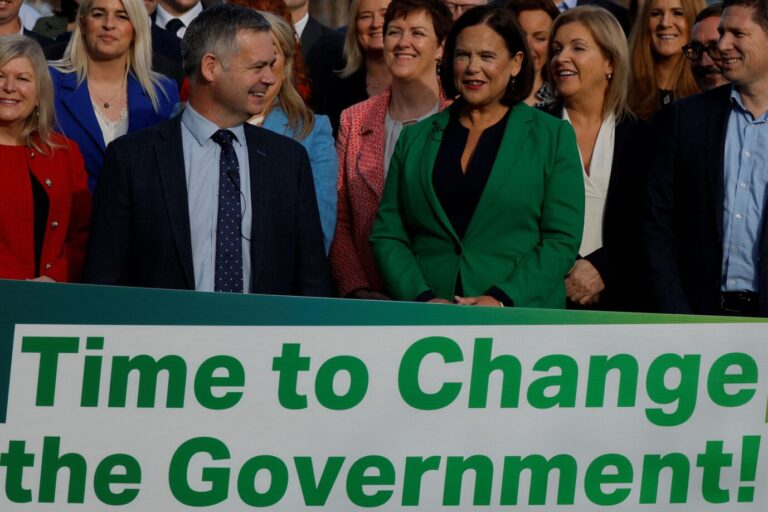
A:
(436, 9)
(504, 23)
(548, 6)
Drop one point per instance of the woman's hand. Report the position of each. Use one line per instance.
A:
(583, 283)
(43, 279)
(438, 300)
(482, 300)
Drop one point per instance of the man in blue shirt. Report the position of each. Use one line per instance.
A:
(204, 201)
(706, 235)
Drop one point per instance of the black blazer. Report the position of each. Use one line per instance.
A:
(685, 198)
(322, 50)
(140, 233)
(619, 260)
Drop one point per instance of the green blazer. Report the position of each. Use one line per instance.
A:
(524, 235)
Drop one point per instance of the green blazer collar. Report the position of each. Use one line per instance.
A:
(515, 136)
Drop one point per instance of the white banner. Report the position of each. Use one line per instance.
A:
(640, 417)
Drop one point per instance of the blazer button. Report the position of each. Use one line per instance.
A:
(48, 183)
(48, 266)
(54, 224)
(458, 250)
(32, 155)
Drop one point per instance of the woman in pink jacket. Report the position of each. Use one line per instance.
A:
(414, 31)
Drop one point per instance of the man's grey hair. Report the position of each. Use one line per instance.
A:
(215, 31)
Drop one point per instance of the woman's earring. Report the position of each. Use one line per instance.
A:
(608, 76)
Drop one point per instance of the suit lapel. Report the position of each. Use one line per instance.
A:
(169, 152)
(258, 163)
(507, 162)
(372, 131)
(717, 128)
(78, 102)
(427, 165)
(139, 106)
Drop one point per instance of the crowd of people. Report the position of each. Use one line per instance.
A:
(525, 153)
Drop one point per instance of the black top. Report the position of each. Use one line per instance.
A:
(40, 205)
(459, 192)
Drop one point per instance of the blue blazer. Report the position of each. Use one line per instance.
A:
(77, 120)
(324, 161)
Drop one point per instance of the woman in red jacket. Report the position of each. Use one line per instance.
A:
(44, 200)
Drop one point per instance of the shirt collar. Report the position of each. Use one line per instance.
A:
(570, 4)
(738, 105)
(163, 17)
(202, 129)
(300, 25)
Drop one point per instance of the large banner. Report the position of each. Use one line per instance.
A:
(117, 399)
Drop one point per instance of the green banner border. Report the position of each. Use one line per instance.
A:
(23, 302)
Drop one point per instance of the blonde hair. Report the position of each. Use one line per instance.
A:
(38, 126)
(643, 95)
(353, 54)
(609, 36)
(301, 120)
(75, 58)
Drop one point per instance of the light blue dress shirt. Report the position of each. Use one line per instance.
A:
(745, 180)
(201, 163)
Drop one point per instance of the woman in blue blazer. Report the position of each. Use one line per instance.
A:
(104, 86)
(289, 116)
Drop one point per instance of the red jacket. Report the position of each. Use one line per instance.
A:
(63, 177)
(360, 146)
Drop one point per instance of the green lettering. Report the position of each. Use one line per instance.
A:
(218, 478)
(408, 373)
(565, 383)
(278, 481)
(719, 378)
(49, 348)
(358, 383)
(357, 480)
(105, 477)
(596, 477)
(455, 468)
(206, 380)
(288, 365)
(684, 393)
(483, 365)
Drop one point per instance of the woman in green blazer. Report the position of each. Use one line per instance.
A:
(484, 202)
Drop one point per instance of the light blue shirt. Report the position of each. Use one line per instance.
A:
(745, 181)
(201, 164)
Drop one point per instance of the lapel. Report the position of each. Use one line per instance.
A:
(717, 126)
(141, 112)
(312, 32)
(77, 101)
(506, 163)
(427, 164)
(169, 152)
(259, 163)
(372, 135)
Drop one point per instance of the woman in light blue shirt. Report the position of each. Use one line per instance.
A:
(287, 115)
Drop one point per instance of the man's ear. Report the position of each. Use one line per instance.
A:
(209, 67)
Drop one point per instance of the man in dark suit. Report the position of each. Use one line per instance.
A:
(706, 234)
(204, 201)
(619, 12)
(321, 49)
(11, 24)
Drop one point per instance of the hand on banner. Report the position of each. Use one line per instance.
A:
(482, 300)
(583, 283)
(43, 279)
(438, 300)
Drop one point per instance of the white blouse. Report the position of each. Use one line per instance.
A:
(111, 130)
(596, 184)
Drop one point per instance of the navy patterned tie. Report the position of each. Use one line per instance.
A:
(229, 249)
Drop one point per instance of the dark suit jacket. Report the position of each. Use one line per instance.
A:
(322, 51)
(685, 198)
(620, 259)
(140, 232)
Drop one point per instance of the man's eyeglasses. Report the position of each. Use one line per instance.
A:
(694, 51)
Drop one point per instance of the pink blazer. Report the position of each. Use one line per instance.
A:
(360, 145)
